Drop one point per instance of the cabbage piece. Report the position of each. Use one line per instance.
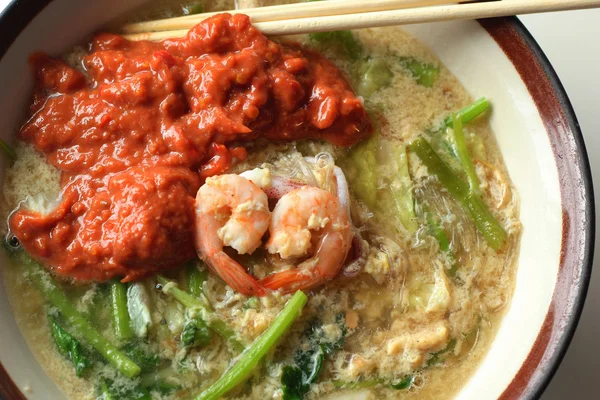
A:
(138, 305)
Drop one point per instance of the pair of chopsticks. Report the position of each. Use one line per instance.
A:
(334, 15)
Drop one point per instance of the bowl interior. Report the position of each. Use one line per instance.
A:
(483, 68)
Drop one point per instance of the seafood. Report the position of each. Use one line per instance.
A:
(231, 211)
(308, 219)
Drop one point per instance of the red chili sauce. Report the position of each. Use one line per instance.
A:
(136, 135)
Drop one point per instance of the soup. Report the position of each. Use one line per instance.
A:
(224, 215)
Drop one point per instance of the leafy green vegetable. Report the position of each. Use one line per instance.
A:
(401, 190)
(343, 41)
(69, 347)
(404, 383)
(438, 356)
(109, 390)
(373, 74)
(193, 9)
(296, 380)
(488, 226)
(144, 357)
(120, 314)
(57, 298)
(360, 169)
(249, 359)
(7, 150)
(138, 307)
(195, 333)
(463, 154)
(468, 113)
(438, 232)
(197, 275)
(426, 74)
(197, 305)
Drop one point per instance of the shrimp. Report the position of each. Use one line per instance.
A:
(231, 211)
(307, 218)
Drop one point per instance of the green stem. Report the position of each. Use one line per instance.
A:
(57, 298)
(470, 112)
(194, 303)
(443, 241)
(463, 155)
(492, 231)
(120, 314)
(196, 278)
(7, 150)
(249, 359)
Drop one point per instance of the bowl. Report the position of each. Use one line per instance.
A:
(537, 133)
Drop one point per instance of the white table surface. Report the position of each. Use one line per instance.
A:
(571, 40)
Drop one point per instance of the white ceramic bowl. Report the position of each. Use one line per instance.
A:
(538, 136)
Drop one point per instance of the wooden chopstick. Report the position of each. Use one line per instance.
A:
(398, 17)
(284, 12)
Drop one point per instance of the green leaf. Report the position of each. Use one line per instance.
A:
(143, 357)
(426, 74)
(195, 333)
(373, 74)
(439, 356)
(404, 383)
(69, 347)
(111, 391)
(296, 380)
(7, 150)
(343, 41)
(193, 9)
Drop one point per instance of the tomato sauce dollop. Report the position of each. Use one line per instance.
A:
(136, 135)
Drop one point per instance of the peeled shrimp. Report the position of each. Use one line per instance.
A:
(231, 211)
(304, 219)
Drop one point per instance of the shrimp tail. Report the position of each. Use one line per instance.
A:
(290, 281)
(235, 275)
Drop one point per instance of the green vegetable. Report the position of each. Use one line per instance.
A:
(404, 383)
(252, 303)
(197, 275)
(438, 356)
(340, 40)
(111, 391)
(57, 298)
(104, 391)
(69, 347)
(7, 150)
(249, 359)
(195, 333)
(373, 74)
(138, 308)
(485, 222)
(426, 74)
(193, 9)
(400, 385)
(463, 155)
(167, 380)
(120, 315)
(469, 113)
(198, 305)
(143, 357)
(296, 380)
(360, 169)
(401, 190)
(438, 232)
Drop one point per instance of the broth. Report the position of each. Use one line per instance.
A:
(415, 316)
